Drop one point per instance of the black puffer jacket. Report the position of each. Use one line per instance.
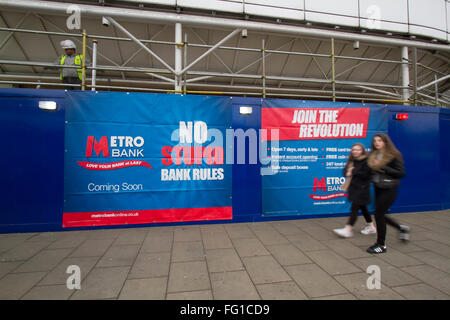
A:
(394, 169)
(359, 189)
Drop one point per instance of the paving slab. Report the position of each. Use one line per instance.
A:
(45, 260)
(144, 289)
(347, 296)
(285, 228)
(191, 295)
(216, 240)
(21, 236)
(212, 228)
(305, 242)
(118, 256)
(7, 243)
(188, 276)
(318, 232)
(187, 234)
(14, 285)
(405, 247)
(288, 254)
(433, 259)
(390, 275)
(260, 226)
(434, 246)
(331, 262)
(57, 292)
(157, 242)
(346, 249)
(314, 282)
(281, 291)
(102, 283)
(430, 275)
(188, 251)
(7, 267)
(234, 285)
(93, 248)
(68, 241)
(249, 247)
(46, 236)
(59, 275)
(221, 260)
(104, 234)
(265, 269)
(23, 251)
(239, 231)
(270, 237)
(149, 265)
(133, 236)
(420, 291)
(398, 259)
(357, 284)
(440, 237)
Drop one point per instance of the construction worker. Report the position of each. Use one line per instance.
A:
(70, 58)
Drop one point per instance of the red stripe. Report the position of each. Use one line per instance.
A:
(328, 196)
(282, 119)
(108, 218)
(113, 165)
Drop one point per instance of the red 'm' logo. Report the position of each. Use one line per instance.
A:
(320, 184)
(98, 147)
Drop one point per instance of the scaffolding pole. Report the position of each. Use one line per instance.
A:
(94, 63)
(333, 71)
(263, 77)
(83, 63)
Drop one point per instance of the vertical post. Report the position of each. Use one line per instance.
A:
(263, 68)
(414, 50)
(405, 74)
(178, 56)
(185, 63)
(436, 91)
(83, 63)
(94, 63)
(333, 72)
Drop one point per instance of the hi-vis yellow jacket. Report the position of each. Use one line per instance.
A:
(78, 62)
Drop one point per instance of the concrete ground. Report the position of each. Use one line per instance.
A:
(295, 259)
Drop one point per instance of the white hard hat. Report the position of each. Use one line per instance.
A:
(68, 44)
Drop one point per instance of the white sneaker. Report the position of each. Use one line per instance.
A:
(368, 230)
(404, 232)
(344, 233)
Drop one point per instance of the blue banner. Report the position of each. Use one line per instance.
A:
(309, 143)
(134, 158)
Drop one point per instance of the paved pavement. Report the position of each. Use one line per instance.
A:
(295, 259)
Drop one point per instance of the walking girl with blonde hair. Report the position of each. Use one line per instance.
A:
(357, 184)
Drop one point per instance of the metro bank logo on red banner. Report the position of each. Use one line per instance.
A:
(115, 147)
(316, 123)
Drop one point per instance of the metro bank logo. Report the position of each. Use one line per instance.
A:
(328, 184)
(121, 147)
(98, 147)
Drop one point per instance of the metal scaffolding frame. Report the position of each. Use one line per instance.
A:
(407, 92)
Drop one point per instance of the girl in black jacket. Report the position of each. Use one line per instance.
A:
(358, 186)
(387, 167)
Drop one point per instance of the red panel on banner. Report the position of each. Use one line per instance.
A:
(108, 218)
(316, 123)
